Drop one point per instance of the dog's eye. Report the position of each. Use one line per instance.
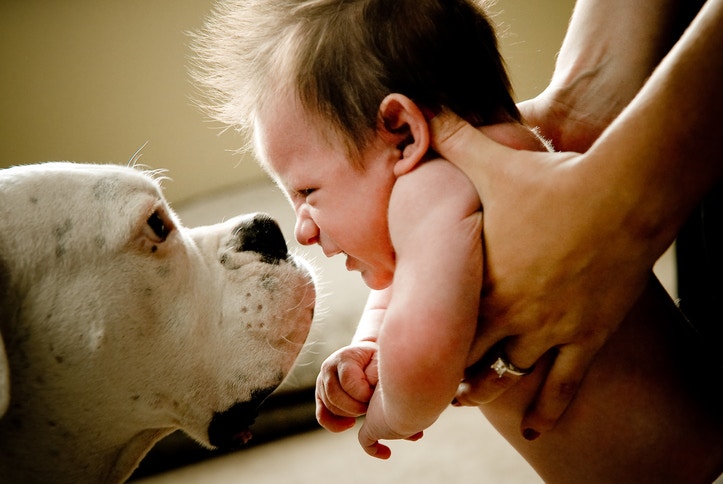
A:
(158, 225)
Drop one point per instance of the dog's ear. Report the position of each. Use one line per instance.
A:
(4, 379)
(4, 364)
(404, 125)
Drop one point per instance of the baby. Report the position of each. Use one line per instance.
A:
(336, 95)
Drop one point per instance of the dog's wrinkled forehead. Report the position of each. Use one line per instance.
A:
(57, 182)
(57, 203)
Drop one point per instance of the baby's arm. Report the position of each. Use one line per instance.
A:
(430, 321)
(348, 377)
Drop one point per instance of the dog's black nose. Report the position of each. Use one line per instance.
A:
(261, 234)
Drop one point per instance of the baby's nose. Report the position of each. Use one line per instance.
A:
(305, 230)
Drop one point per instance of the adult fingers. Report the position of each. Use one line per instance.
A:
(558, 390)
(466, 147)
(496, 372)
(482, 388)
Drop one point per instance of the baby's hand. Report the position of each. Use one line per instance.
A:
(345, 385)
(376, 428)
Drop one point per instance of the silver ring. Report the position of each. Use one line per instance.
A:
(502, 366)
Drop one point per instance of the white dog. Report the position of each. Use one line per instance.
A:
(120, 325)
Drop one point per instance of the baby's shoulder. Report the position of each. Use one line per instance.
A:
(438, 176)
(434, 183)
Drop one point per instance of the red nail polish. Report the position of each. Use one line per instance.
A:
(530, 434)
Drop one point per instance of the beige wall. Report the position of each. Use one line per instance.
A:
(90, 80)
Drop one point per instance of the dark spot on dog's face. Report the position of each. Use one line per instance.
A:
(60, 232)
(106, 189)
(269, 283)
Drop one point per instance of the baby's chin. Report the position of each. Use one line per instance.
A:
(374, 277)
(376, 281)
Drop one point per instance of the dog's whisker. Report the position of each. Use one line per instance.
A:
(133, 161)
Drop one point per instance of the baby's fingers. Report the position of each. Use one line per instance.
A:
(331, 422)
(372, 446)
(331, 396)
(380, 451)
(354, 381)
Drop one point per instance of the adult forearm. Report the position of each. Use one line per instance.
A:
(665, 148)
(609, 50)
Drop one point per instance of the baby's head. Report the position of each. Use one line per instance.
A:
(341, 58)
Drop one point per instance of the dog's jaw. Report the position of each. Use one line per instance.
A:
(231, 427)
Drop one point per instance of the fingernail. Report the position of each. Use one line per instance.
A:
(530, 434)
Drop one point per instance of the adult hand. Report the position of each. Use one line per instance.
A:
(561, 271)
(562, 122)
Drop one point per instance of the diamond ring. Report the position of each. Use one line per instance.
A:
(502, 366)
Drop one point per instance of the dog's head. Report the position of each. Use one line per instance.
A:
(112, 309)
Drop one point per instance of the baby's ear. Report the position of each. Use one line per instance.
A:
(406, 127)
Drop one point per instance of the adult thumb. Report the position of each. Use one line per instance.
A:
(466, 147)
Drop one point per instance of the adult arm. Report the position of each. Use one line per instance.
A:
(609, 50)
(571, 238)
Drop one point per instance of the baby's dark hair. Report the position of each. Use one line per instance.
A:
(341, 58)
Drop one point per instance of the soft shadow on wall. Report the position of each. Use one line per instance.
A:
(93, 81)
